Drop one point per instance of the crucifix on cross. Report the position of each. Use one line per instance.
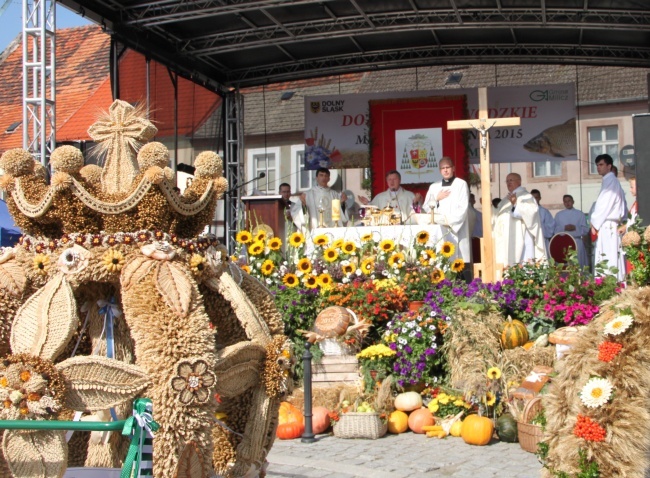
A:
(483, 125)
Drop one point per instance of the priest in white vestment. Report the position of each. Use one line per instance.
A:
(395, 196)
(573, 222)
(319, 198)
(609, 210)
(548, 223)
(449, 200)
(518, 235)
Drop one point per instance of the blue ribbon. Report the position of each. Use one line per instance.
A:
(138, 426)
(110, 310)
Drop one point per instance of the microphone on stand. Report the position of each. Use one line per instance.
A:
(261, 175)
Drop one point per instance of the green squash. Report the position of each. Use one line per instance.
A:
(507, 428)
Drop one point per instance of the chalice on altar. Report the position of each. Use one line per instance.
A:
(321, 213)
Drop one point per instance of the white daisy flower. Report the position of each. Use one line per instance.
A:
(618, 325)
(596, 392)
(412, 334)
(345, 262)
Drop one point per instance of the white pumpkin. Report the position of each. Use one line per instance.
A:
(408, 401)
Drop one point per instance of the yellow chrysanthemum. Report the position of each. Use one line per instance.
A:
(437, 276)
(256, 248)
(443, 399)
(387, 245)
(367, 237)
(41, 263)
(246, 268)
(347, 269)
(296, 239)
(426, 256)
(459, 402)
(304, 265)
(267, 267)
(275, 243)
(494, 373)
(458, 265)
(290, 280)
(349, 247)
(433, 406)
(368, 265)
(489, 399)
(330, 254)
(113, 260)
(396, 259)
(310, 281)
(447, 249)
(260, 236)
(244, 237)
(321, 240)
(422, 237)
(325, 280)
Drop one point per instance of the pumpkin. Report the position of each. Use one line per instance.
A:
(289, 431)
(528, 345)
(455, 429)
(289, 414)
(477, 430)
(507, 428)
(408, 401)
(320, 420)
(513, 334)
(398, 422)
(420, 418)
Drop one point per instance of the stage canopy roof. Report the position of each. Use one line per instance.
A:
(239, 43)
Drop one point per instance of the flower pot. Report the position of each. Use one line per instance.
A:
(415, 306)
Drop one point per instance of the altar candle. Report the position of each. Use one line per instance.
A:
(336, 209)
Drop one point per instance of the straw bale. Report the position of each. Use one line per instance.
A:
(322, 395)
(517, 363)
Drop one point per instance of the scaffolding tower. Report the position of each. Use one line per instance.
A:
(234, 125)
(39, 78)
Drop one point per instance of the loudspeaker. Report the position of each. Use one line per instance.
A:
(642, 161)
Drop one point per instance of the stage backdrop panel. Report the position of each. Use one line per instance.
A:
(411, 135)
(336, 126)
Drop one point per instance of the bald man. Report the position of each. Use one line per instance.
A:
(518, 235)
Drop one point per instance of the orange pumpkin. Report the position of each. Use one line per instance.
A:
(289, 431)
(290, 422)
(477, 430)
(320, 420)
(513, 334)
(528, 345)
(398, 422)
(420, 418)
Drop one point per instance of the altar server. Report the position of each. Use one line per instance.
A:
(449, 200)
(574, 222)
(518, 235)
(609, 211)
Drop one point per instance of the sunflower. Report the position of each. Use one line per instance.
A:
(396, 259)
(321, 240)
(113, 260)
(387, 245)
(489, 399)
(290, 280)
(275, 243)
(260, 236)
(256, 248)
(244, 237)
(422, 237)
(267, 267)
(41, 263)
(330, 254)
(349, 247)
(246, 268)
(347, 269)
(368, 265)
(338, 243)
(197, 264)
(325, 280)
(458, 265)
(304, 265)
(296, 239)
(447, 249)
(426, 256)
(367, 237)
(437, 276)
(494, 373)
(310, 281)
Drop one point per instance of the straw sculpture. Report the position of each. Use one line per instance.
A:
(118, 247)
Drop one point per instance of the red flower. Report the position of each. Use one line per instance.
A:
(608, 350)
(589, 430)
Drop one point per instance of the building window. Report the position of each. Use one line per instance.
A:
(602, 140)
(264, 160)
(303, 179)
(546, 169)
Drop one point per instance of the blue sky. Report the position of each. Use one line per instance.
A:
(11, 20)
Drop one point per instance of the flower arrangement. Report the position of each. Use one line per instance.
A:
(415, 340)
(376, 364)
(636, 245)
(445, 404)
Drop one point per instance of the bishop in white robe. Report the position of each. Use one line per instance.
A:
(395, 196)
(518, 235)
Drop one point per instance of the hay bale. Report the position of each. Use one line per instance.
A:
(322, 396)
(517, 363)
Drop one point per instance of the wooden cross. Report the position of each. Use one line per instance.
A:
(482, 125)
(119, 133)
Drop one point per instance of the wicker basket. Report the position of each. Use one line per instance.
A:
(529, 434)
(360, 425)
